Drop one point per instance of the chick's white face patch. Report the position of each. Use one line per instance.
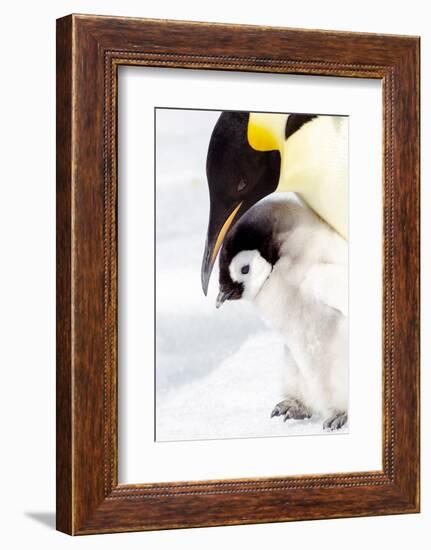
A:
(251, 269)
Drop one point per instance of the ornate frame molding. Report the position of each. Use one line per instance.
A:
(89, 498)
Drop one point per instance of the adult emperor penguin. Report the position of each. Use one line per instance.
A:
(251, 155)
(293, 266)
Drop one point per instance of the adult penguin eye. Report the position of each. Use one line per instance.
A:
(245, 269)
(242, 184)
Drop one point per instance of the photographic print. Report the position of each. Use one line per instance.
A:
(251, 274)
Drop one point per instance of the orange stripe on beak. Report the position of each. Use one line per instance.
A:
(223, 232)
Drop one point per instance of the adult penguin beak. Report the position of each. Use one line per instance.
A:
(221, 219)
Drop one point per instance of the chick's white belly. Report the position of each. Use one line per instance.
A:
(316, 336)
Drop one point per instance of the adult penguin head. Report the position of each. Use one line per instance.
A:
(238, 177)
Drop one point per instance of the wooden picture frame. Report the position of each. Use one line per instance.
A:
(89, 51)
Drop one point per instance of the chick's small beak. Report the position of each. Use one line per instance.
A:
(221, 297)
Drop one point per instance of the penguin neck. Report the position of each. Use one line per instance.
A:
(314, 161)
(314, 164)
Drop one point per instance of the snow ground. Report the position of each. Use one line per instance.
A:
(218, 372)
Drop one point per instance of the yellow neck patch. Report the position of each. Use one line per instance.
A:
(265, 131)
(261, 138)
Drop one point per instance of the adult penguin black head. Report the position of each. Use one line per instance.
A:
(238, 177)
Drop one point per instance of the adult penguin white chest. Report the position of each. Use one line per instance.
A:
(293, 266)
(252, 155)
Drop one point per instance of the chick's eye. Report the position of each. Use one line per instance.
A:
(242, 184)
(245, 269)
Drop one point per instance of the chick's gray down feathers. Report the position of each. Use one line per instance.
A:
(293, 266)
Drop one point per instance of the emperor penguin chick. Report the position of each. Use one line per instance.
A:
(293, 266)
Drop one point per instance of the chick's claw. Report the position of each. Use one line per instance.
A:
(291, 409)
(335, 422)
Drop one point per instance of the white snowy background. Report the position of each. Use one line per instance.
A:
(218, 372)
